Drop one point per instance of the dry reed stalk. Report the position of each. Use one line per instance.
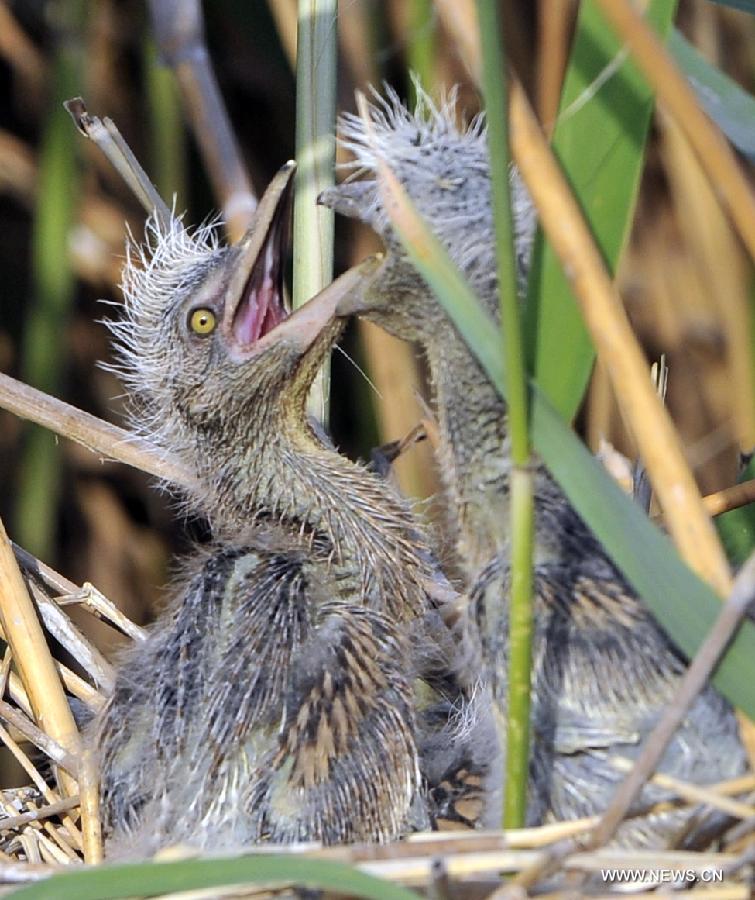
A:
(730, 498)
(91, 826)
(47, 792)
(58, 754)
(96, 603)
(65, 592)
(11, 823)
(716, 251)
(58, 624)
(693, 793)
(672, 89)
(89, 431)
(617, 347)
(555, 19)
(284, 15)
(33, 660)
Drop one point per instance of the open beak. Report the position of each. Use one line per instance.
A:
(255, 298)
(255, 314)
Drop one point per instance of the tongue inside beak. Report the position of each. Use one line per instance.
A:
(256, 294)
(262, 306)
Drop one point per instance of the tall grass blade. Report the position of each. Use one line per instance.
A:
(729, 105)
(599, 140)
(316, 54)
(149, 879)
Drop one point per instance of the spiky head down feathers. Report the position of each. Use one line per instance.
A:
(445, 169)
(203, 344)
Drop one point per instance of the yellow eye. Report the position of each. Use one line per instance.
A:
(202, 321)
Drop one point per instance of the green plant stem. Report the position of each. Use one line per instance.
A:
(316, 55)
(421, 48)
(53, 291)
(167, 133)
(495, 90)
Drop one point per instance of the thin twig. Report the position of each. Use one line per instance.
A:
(11, 823)
(692, 793)
(91, 826)
(730, 498)
(39, 738)
(68, 636)
(712, 149)
(694, 680)
(105, 134)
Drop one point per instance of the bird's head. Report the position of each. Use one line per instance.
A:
(445, 170)
(207, 346)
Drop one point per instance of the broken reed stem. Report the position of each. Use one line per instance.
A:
(313, 230)
(522, 500)
(179, 32)
(695, 678)
(617, 347)
(89, 431)
(716, 156)
(33, 660)
(105, 134)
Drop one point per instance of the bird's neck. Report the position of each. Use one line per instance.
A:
(473, 453)
(285, 477)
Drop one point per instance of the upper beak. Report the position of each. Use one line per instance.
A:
(300, 329)
(271, 222)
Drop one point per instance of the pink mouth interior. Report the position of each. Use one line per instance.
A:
(261, 307)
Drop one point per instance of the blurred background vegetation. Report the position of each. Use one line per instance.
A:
(63, 216)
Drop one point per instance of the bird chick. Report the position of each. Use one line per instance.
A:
(603, 669)
(273, 700)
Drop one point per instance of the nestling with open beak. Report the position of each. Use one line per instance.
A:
(274, 699)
